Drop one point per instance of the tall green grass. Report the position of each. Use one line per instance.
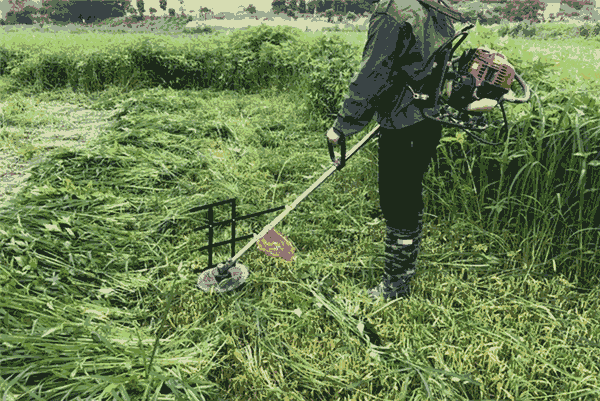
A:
(98, 303)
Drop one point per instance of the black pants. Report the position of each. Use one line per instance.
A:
(404, 157)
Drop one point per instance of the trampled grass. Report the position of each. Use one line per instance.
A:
(98, 303)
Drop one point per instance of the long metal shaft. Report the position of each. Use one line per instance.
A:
(289, 208)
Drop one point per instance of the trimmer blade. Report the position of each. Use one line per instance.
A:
(233, 278)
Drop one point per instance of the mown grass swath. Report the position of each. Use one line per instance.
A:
(97, 304)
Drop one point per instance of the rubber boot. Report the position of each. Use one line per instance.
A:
(401, 251)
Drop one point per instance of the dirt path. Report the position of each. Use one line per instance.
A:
(79, 128)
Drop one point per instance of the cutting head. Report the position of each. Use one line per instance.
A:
(231, 279)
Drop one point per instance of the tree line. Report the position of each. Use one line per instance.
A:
(73, 11)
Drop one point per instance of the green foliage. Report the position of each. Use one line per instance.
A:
(331, 67)
(475, 11)
(163, 4)
(47, 71)
(291, 13)
(200, 30)
(491, 17)
(172, 12)
(59, 11)
(18, 17)
(250, 9)
(279, 6)
(140, 6)
(577, 4)
(329, 14)
(8, 57)
(25, 15)
(56, 10)
(525, 29)
(302, 8)
(494, 12)
(90, 287)
(589, 30)
(351, 16)
(522, 10)
(245, 48)
(579, 10)
(252, 38)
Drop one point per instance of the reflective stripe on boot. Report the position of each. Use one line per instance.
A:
(401, 251)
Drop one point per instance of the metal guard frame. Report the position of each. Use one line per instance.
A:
(232, 221)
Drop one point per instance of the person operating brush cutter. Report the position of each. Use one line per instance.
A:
(402, 35)
(411, 83)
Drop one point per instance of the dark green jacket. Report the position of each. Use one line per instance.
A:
(402, 35)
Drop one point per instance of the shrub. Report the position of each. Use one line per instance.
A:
(582, 10)
(245, 49)
(250, 9)
(588, 30)
(329, 14)
(206, 13)
(522, 10)
(577, 4)
(152, 10)
(335, 28)
(200, 29)
(251, 39)
(491, 17)
(351, 16)
(526, 29)
(473, 11)
(329, 69)
(171, 12)
(291, 13)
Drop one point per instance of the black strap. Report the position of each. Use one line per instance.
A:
(445, 9)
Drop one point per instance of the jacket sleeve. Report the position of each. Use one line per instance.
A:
(387, 43)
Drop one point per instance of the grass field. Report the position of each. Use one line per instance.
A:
(98, 300)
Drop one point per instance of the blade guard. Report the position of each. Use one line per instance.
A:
(339, 163)
(225, 277)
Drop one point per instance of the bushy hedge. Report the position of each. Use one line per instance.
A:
(492, 12)
(489, 12)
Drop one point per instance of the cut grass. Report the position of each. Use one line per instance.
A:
(96, 303)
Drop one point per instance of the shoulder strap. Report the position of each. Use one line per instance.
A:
(382, 5)
(445, 9)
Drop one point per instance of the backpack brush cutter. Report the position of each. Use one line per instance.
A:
(466, 88)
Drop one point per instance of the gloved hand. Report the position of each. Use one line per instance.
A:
(332, 137)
